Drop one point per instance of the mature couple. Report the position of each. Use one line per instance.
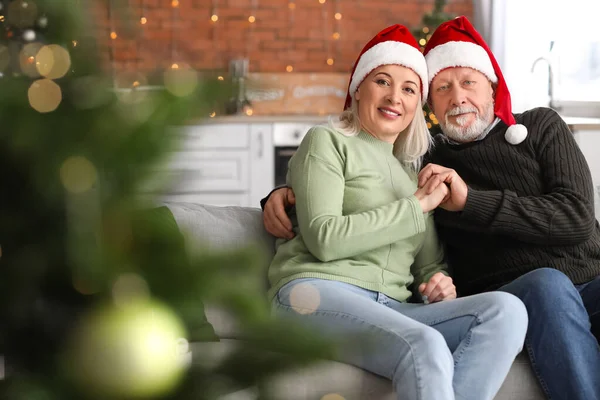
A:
(513, 205)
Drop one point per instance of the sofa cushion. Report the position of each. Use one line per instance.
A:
(352, 383)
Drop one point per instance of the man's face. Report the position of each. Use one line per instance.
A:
(463, 101)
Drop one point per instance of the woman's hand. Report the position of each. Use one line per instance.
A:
(432, 193)
(439, 288)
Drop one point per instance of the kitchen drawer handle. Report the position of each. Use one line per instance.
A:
(260, 144)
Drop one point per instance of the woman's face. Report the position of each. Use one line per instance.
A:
(387, 101)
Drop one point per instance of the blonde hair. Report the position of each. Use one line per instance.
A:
(411, 144)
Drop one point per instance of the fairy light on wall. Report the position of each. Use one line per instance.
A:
(291, 20)
(327, 32)
(337, 28)
(142, 37)
(251, 21)
(113, 37)
(214, 18)
(214, 15)
(174, 18)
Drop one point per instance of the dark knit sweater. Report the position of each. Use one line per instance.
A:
(529, 206)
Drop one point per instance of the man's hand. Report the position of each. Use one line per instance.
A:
(459, 191)
(275, 218)
(439, 288)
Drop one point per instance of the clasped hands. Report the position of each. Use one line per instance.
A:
(439, 186)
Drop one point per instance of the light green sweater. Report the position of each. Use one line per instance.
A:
(357, 219)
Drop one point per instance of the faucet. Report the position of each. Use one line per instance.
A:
(550, 81)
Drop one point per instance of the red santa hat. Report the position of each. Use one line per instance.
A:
(393, 45)
(456, 43)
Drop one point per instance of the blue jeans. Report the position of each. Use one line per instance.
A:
(563, 350)
(456, 349)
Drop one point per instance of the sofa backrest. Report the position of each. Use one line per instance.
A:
(222, 228)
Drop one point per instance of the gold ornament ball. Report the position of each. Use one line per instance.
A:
(128, 351)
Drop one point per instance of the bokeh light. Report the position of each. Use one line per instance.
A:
(53, 61)
(78, 174)
(128, 352)
(181, 81)
(27, 59)
(44, 95)
(22, 13)
(305, 298)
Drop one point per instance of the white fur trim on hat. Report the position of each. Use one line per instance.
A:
(459, 54)
(515, 134)
(387, 53)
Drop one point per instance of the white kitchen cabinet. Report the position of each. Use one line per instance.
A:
(262, 164)
(224, 164)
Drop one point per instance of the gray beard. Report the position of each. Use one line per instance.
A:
(466, 134)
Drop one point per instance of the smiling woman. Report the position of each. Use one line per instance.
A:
(387, 101)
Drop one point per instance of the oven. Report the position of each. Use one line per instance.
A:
(286, 139)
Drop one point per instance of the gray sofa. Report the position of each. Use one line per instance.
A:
(226, 227)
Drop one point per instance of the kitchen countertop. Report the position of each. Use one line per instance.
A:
(578, 123)
(245, 119)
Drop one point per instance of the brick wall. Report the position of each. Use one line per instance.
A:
(285, 33)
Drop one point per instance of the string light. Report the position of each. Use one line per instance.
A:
(113, 36)
(330, 61)
(250, 35)
(214, 14)
(291, 21)
(141, 38)
(337, 28)
(174, 32)
(220, 78)
(322, 1)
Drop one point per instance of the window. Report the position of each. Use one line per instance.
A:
(551, 54)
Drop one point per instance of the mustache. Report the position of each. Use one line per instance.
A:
(461, 110)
